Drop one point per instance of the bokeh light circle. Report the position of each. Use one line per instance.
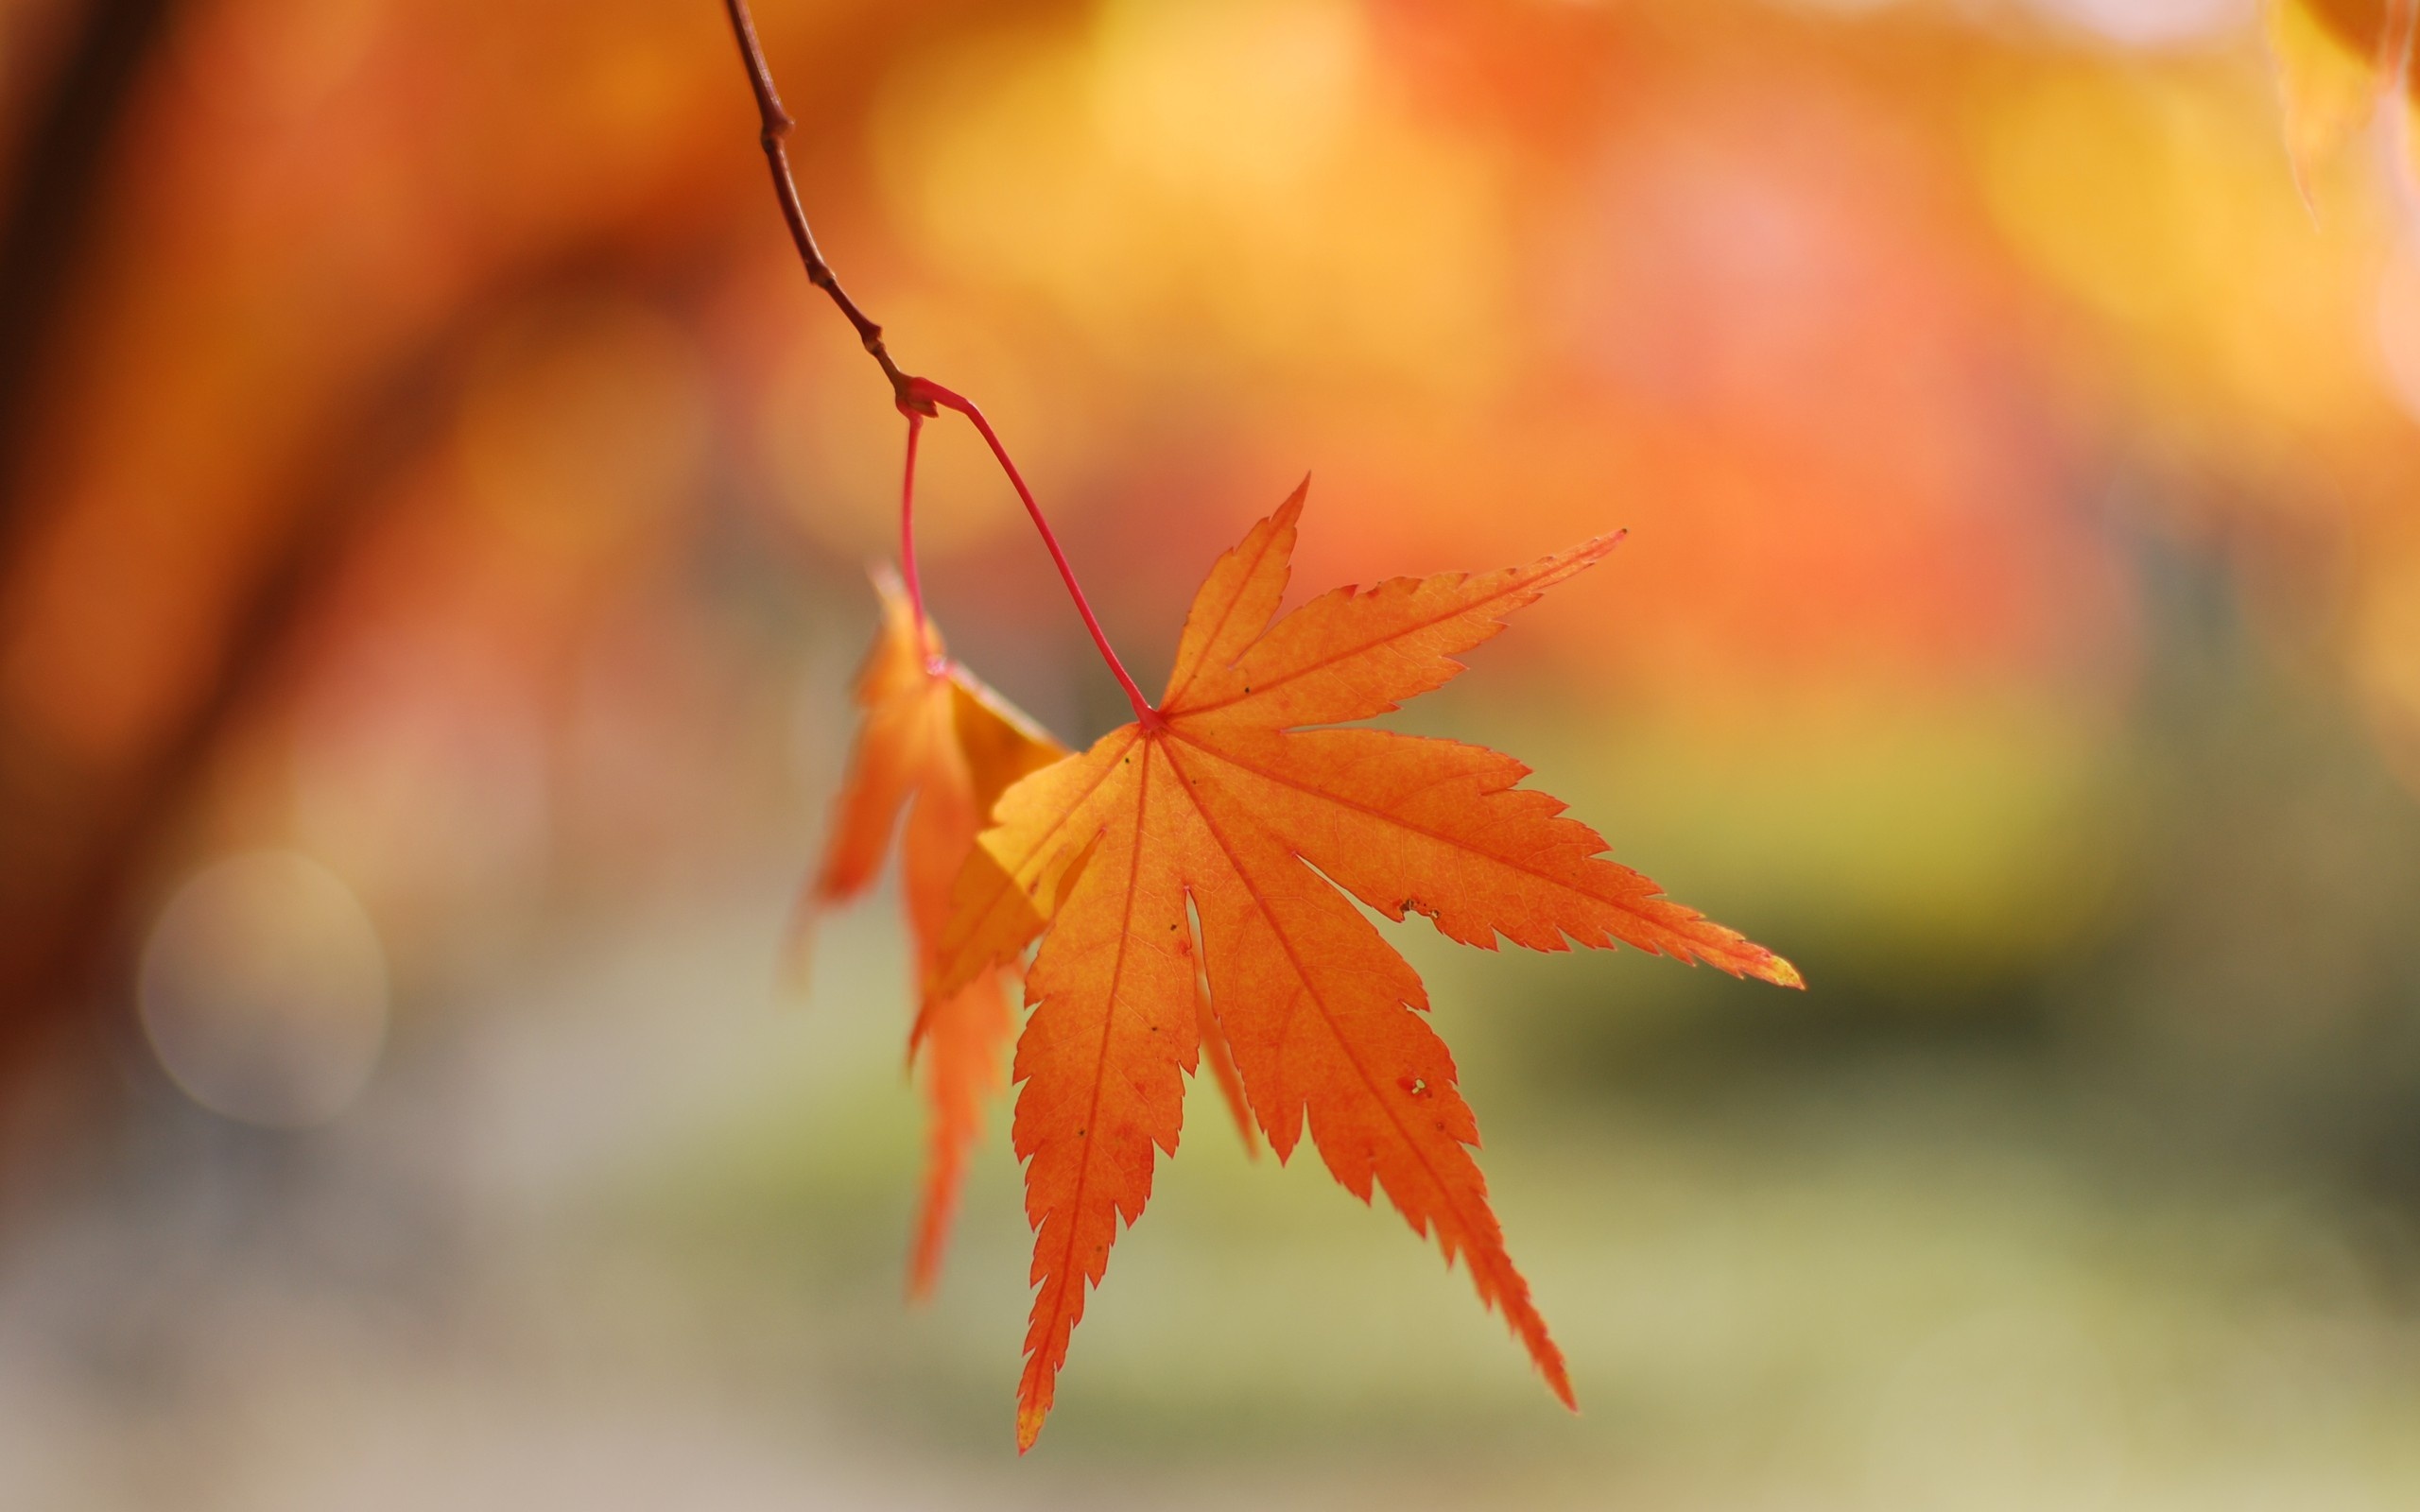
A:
(264, 991)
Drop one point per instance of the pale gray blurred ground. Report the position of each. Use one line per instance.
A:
(629, 1238)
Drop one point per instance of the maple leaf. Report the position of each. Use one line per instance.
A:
(940, 744)
(1222, 826)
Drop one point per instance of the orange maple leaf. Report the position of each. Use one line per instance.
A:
(1221, 825)
(939, 743)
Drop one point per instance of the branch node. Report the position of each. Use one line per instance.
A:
(775, 125)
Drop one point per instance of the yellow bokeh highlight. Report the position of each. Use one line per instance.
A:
(2161, 204)
(1207, 186)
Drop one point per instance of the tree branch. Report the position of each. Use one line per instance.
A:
(777, 125)
(916, 397)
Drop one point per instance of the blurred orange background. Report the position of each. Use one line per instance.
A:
(434, 509)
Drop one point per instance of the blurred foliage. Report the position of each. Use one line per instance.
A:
(427, 458)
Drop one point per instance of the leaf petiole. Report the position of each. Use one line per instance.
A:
(933, 393)
(934, 664)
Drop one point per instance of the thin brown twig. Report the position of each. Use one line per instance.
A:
(916, 397)
(777, 125)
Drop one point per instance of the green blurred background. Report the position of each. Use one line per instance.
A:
(432, 560)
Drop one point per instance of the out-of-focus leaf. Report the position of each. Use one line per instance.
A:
(940, 744)
(2326, 87)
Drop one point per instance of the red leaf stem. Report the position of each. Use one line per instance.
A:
(924, 388)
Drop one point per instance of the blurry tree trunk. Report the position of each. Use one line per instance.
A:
(48, 222)
(46, 230)
(78, 843)
(59, 938)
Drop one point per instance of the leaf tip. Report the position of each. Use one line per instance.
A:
(1292, 510)
(1581, 558)
(1029, 1425)
(1781, 974)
